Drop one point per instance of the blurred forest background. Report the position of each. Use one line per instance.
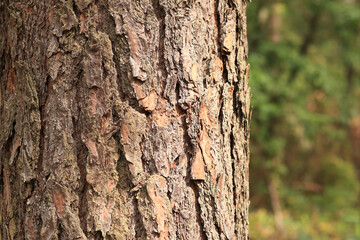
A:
(305, 130)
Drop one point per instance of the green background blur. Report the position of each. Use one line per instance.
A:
(305, 130)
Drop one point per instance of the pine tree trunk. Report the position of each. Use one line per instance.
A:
(124, 119)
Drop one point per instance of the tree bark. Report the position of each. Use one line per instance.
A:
(124, 119)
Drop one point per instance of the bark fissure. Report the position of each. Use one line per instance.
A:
(160, 15)
(233, 166)
(43, 125)
(5, 182)
(81, 155)
(195, 188)
(2, 193)
(139, 224)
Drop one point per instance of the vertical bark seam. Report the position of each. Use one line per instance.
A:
(160, 15)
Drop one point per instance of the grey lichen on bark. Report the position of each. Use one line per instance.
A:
(124, 119)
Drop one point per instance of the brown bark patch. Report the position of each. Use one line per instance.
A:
(221, 183)
(11, 80)
(29, 228)
(7, 189)
(160, 207)
(229, 41)
(125, 133)
(230, 93)
(162, 103)
(14, 148)
(135, 60)
(105, 123)
(110, 185)
(194, 72)
(197, 167)
(137, 86)
(94, 101)
(217, 72)
(68, 19)
(82, 22)
(204, 114)
(28, 10)
(205, 145)
(149, 102)
(91, 145)
(160, 119)
(59, 199)
(93, 71)
(134, 43)
(82, 4)
(49, 17)
(105, 217)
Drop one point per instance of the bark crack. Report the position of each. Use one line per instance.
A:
(232, 142)
(194, 186)
(160, 15)
(43, 124)
(82, 153)
(219, 29)
(5, 182)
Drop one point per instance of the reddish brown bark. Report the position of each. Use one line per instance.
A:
(124, 119)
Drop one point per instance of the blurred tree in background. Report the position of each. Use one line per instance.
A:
(305, 80)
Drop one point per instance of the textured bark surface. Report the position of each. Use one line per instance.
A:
(124, 119)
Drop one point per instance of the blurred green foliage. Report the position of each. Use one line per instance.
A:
(305, 130)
